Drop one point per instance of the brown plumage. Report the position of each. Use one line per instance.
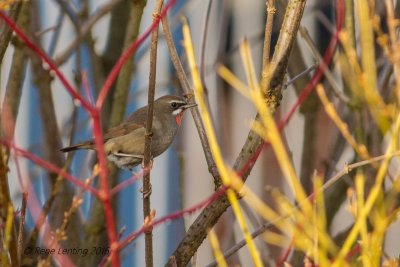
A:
(124, 143)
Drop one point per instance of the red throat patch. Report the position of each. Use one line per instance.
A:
(178, 118)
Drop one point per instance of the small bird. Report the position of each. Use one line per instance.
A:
(124, 143)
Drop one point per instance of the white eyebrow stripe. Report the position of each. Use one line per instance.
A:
(177, 101)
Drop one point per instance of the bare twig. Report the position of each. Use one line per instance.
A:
(50, 167)
(148, 136)
(203, 48)
(328, 73)
(195, 111)
(173, 216)
(22, 225)
(34, 234)
(301, 74)
(267, 35)
(85, 29)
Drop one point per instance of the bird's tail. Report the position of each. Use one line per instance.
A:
(85, 145)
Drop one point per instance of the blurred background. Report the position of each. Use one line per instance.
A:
(47, 118)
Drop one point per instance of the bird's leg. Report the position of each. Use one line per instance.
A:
(145, 170)
(119, 154)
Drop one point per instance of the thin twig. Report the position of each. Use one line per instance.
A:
(135, 177)
(21, 228)
(173, 216)
(328, 73)
(49, 166)
(84, 30)
(300, 75)
(212, 168)
(203, 47)
(34, 234)
(267, 35)
(148, 238)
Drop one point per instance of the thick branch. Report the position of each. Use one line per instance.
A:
(6, 32)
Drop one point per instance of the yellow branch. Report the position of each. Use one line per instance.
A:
(219, 257)
(372, 197)
(331, 111)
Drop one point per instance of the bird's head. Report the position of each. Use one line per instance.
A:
(173, 105)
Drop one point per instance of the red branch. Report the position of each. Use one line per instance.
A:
(86, 87)
(104, 192)
(173, 216)
(49, 166)
(283, 258)
(124, 184)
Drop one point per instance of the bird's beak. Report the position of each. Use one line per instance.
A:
(191, 105)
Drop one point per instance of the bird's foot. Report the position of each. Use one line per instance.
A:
(146, 193)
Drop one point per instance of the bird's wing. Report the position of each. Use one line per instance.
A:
(127, 139)
(120, 130)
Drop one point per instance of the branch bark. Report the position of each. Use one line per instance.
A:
(148, 237)
(6, 32)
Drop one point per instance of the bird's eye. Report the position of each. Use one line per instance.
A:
(174, 104)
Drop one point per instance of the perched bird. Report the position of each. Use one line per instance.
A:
(124, 143)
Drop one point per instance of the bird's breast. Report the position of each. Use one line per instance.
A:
(163, 135)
